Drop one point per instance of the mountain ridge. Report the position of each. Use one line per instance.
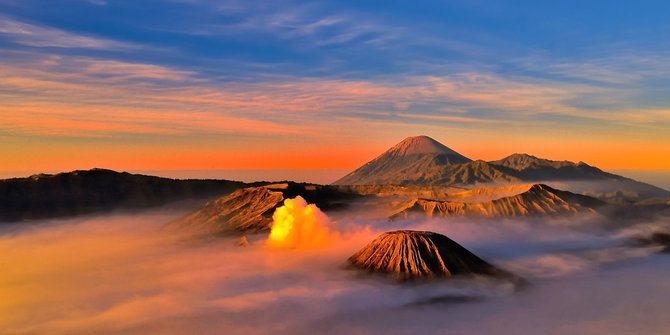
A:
(525, 200)
(42, 196)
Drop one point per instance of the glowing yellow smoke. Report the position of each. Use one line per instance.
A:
(298, 224)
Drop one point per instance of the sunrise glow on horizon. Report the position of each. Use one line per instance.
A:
(207, 85)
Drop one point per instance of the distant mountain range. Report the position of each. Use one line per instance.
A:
(98, 190)
(421, 160)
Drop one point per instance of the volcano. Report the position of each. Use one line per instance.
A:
(423, 161)
(408, 254)
(408, 162)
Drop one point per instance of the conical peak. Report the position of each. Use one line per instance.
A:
(420, 145)
(404, 161)
(408, 254)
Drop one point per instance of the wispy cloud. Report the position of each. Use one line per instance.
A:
(623, 66)
(42, 36)
(287, 70)
(76, 96)
(306, 24)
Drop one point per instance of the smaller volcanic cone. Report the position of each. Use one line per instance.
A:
(408, 254)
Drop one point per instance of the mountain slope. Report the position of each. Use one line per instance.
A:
(472, 173)
(405, 163)
(406, 254)
(89, 191)
(530, 200)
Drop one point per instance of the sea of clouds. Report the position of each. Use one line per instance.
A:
(125, 274)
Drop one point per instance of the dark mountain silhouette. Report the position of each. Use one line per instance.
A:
(97, 190)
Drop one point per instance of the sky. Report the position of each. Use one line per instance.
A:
(249, 84)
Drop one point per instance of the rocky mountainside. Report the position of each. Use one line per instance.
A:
(98, 190)
(406, 254)
(247, 209)
(530, 200)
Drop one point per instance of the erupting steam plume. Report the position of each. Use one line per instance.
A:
(298, 224)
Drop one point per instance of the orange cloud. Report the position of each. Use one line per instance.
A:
(292, 123)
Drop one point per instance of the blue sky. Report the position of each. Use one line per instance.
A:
(325, 72)
(355, 39)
